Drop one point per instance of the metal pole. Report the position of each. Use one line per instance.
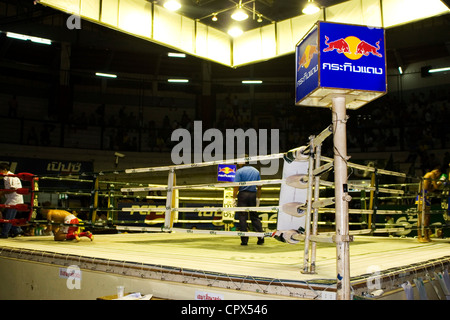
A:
(339, 117)
(169, 202)
(308, 213)
(317, 154)
(422, 218)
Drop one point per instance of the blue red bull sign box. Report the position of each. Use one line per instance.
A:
(340, 59)
(226, 172)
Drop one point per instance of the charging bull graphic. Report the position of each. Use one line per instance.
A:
(365, 49)
(307, 56)
(340, 45)
(352, 47)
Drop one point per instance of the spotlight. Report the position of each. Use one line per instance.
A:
(311, 8)
(172, 5)
(214, 18)
(239, 14)
(235, 32)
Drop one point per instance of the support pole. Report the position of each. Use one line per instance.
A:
(34, 198)
(423, 209)
(94, 200)
(169, 201)
(339, 117)
(317, 155)
(308, 210)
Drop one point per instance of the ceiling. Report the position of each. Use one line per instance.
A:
(98, 48)
(270, 11)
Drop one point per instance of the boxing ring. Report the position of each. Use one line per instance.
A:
(161, 257)
(179, 241)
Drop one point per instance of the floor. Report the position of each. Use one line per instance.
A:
(224, 254)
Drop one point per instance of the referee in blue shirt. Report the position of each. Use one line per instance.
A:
(248, 196)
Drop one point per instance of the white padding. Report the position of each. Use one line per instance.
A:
(297, 154)
(299, 181)
(300, 154)
(295, 209)
(286, 236)
(288, 194)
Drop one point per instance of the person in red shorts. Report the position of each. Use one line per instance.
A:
(62, 233)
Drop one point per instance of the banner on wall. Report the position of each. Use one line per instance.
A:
(48, 166)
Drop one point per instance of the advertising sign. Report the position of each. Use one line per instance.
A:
(307, 58)
(352, 57)
(343, 59)
(226, 172)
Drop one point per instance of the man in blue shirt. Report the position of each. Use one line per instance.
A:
(248, 196)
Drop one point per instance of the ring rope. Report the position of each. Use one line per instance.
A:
(205, 164)
(205, 186)
(209, 209)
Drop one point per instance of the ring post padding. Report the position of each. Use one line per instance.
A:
(295, 209)
(299, 181)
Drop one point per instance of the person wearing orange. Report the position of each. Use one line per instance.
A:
(64, 232)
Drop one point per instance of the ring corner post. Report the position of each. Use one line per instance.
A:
(339, 116)
(170, 201)
(94, 199)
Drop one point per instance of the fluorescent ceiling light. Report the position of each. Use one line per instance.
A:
(176, 55)
(439, 70)
(235, 32)
(40, 40)
(251, 81)
(105, 75)
(400, 70)
(172, 5)
(239, 14)
(311, 8)
(178, 80)
(25, 38)
(16, 36)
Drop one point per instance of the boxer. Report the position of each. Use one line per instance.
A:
(62, 233)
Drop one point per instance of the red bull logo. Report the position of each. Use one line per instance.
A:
(352, 47)
(307, 56)
(227, 170)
